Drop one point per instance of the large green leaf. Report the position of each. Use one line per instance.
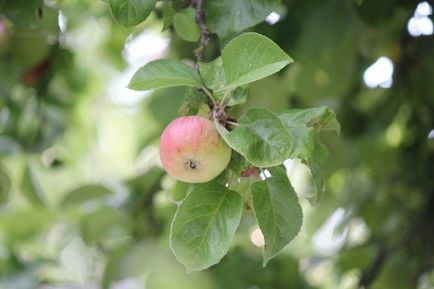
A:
(304, 125)
(185, 25)
(22, 13)
(204, 225)
(131, 12)
(260, 137)
(250, 57)
(228, 17)
(277, 210)
(84, 194)
(164, 73)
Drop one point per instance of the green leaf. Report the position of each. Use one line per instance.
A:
(304, 125)
(213, 74)
(84, 194)
(101, 224)
(165, 103)
(31, 188)
(78, 260)
(164, 73)
(260, 137)
(239, 96)
(22, 13)
(185, 25)
(131, 12)
(193, 101)
(5, 186)
(250, 57)
(238, 163)
(204, 225)
(228, 17)
(319, 118)
(277, 210)
(168, 14)
(21, 224)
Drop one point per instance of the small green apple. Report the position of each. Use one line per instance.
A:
(192, 151)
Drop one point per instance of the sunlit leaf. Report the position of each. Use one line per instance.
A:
(185, 25)
(213, 74)
(25, 223)
(250, 57)
(164, 73)
(78, 260)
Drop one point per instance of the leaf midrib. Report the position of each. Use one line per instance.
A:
(212, 219)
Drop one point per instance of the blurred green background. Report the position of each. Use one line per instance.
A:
(84, 202)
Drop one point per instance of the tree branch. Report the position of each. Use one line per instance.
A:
(204, 32)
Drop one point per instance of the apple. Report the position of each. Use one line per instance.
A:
(192, 151)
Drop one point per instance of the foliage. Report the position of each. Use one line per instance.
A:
(84, 201)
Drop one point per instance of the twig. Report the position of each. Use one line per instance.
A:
(223, 100)
(232, 123)
(204, 32)
(370, 274)
(210, 96)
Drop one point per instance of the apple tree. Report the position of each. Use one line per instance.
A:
(196, 144)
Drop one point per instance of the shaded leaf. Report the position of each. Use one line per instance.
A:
(131, 12)
(5, 186)
(319, 118)
(97, 225)
(164, 73)
(277, 210)
(165, 103)
(168, 13)
(8, 145)
(228, 17)
(185, 25)
(204, 225)
(193, 101)
(22, 13)
(260, 137)
(250, 57)
(84, 194)
(304, 125)
(31, 188)
(239, 96)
